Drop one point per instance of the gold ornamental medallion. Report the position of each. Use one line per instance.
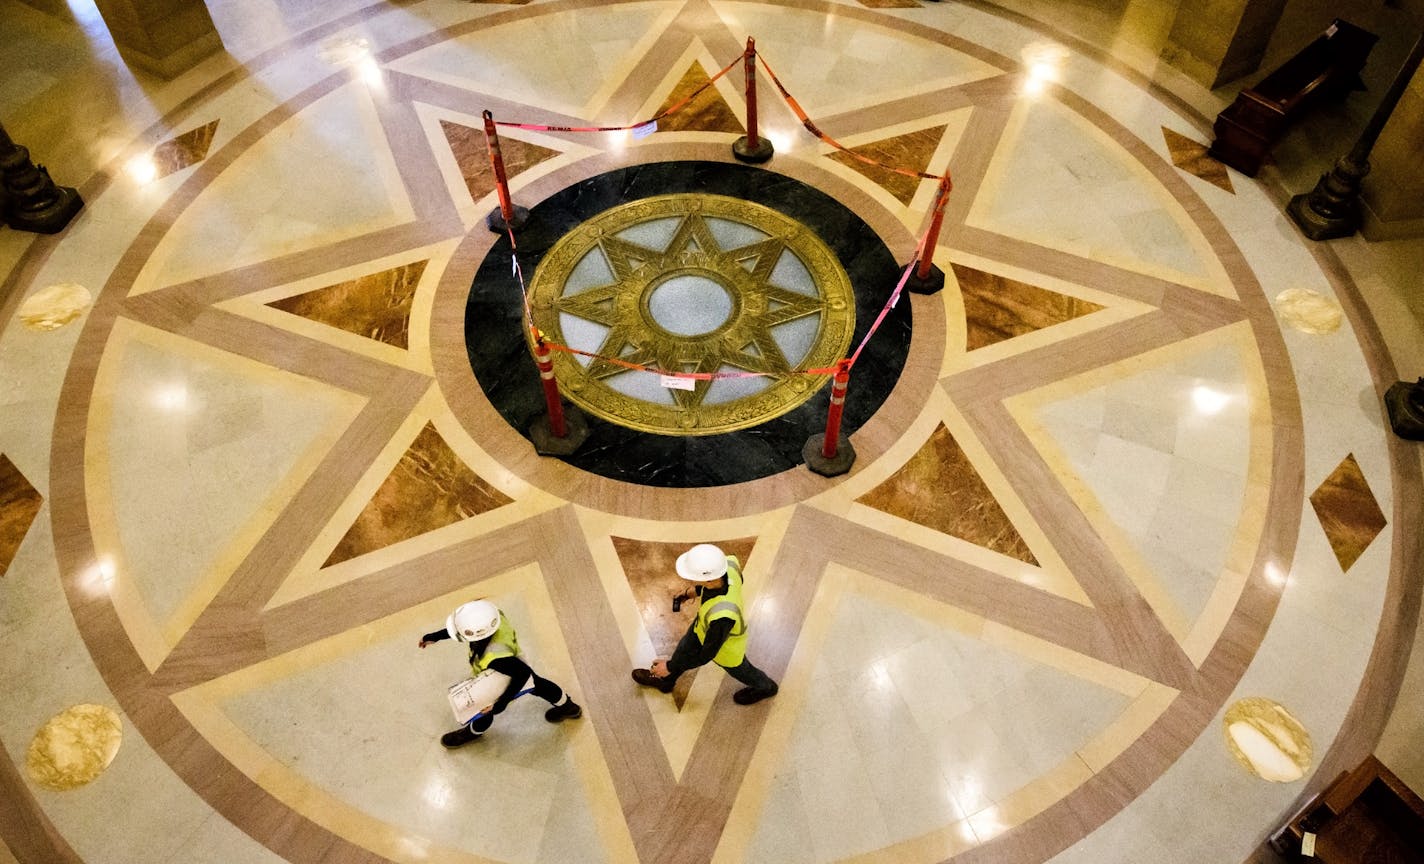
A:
(74, 747)
(692, 283)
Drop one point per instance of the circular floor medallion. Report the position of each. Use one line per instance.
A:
(698, 266)
(692, 283)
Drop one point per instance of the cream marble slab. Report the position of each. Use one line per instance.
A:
(376, 773)
(570, 63)
(199, 453)
(934, 717)
(844, 69)
(324, 175)
(1061, 182)
(1165, 450)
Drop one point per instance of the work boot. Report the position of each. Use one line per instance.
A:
(459, 738)
(752, 695)
(567, 711)
(646, 678)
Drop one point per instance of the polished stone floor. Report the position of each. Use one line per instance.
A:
(1126, 565)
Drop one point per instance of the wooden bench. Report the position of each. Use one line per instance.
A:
(1366, 816)
(1250, 126)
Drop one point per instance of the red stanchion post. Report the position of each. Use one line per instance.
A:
(545, 359)
(506, 217)
(554, 433)
(927, 278)
(751, 147)
(830, 453)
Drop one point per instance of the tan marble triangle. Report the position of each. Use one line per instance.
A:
(1348, 511)
(648, 567)
(997, 308)
(376, 306)
(186, 150)
(890, 4)
(939, 488)
(19, 503)
(429, 488)
(472, 155)
(1191, 157)
(911, 151)
(709, 112)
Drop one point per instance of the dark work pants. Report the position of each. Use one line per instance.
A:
(752, 677)
(543, 688)
(744, 672)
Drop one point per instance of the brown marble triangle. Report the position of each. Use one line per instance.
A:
(376, 306)
(1348, 512)
(187, 149)
(997, 308)
(1191, 157)
(19, 502)
(911, 151)
(472, 155)
(648, 567)
(709, 112)
(429, 488)
(939, 488)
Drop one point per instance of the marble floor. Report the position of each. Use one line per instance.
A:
(1126, 566)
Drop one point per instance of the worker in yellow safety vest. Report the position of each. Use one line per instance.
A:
(494, 645)
(718, 633)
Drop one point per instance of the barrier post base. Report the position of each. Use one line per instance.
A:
(755, 155)
(546, 443)
(1404, 402)
(836, 465)
(931, 284)
(495, 220)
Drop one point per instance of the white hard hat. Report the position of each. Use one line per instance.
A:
(473, 621)
(702, 563)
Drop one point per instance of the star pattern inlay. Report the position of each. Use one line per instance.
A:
(1118, 630)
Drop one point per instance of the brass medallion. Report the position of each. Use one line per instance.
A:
(692, 283)
(74, 747)
(1267, 739)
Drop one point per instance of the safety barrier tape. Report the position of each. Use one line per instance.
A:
(537, 127)
(815, 130)
(811, 127)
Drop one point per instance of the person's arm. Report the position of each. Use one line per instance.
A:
(438, 635)
(690, 653)
(519, 674)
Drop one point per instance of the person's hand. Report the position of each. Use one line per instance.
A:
(487, 709)
(424, 641)
(659, 668)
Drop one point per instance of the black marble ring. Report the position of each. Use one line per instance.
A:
(494, 328)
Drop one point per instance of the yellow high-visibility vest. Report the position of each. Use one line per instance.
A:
(728, 605)
(502, 644)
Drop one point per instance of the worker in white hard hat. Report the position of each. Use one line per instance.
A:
(718, 633)
(493, 645)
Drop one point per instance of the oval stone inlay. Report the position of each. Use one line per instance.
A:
(74, 747)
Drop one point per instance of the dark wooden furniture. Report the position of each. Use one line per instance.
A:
(1367, 816)
(1250, 126)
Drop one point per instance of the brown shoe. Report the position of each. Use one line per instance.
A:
(646, 678)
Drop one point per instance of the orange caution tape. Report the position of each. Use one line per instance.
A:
(672, 109)
(815, 130)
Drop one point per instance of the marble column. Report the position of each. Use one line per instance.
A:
(1216, 41)
(1393, 196)
(53, 7)
(164, 37)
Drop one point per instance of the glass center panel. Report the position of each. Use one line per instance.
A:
(689, 305)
